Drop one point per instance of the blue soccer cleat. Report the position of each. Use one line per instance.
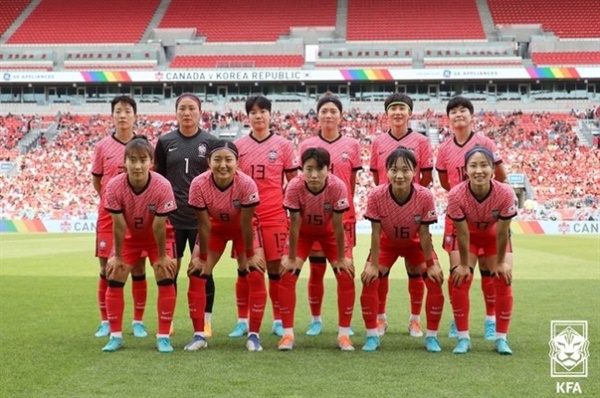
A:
(372, 343)
(240, 329)
(164, 344)
(463, 346)
(490, 330)
(253, 343)
(502, 347)
(432, 344)
(453, 334)
(197, 343)
(103, 330)
(139, 330)
(277, 329)
(315, 328)
(114, 343)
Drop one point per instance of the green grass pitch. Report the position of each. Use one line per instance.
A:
(48, 315)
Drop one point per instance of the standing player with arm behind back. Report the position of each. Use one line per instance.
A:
(399, 108)
(180, 156)
(107, 163)
(270, 160)
(451, 169)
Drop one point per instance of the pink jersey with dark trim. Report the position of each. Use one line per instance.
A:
(387, 143)
(139, 209)
(481, 215)
(266, 162)
(400, 222)
(345, 161)
(224, 205)
(316, 209)
(451, 156)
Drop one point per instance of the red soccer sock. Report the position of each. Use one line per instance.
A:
(274, 295)
(489, 292)
(369, 301)
(139, 291)
(165, 305)
(384, 287)
(241, 294)
(197, 301)
(257, 300)
(287, 298)
(416, 291)
(461, 304)
(102, 286)
(504, 305)
(434, 304)
(450, 287)
(115, 305)
(346, 293)
(316, 288)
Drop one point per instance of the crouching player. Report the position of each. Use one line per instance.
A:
(139, 202)
(400, 212)
(316, 201)
(481, 209)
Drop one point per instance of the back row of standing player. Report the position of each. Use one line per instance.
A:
(270, 161)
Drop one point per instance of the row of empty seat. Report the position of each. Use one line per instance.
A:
(237, 61)
(566, 58)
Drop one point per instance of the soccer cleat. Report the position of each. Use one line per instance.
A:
(103, 330)
(114, 343)
(241, 328)
(139, 330)
(463, 346)
(453, 333)
(286, 343)
(315, 328)
(382, 326)
(253, 343)
(344, 343)
(372, 343)
(414, 328)
(277, 329)
(196, 344)
(502, 347)
(432, 344)
(164, 344)
(207, 329)
(351, 332)
(490, 330)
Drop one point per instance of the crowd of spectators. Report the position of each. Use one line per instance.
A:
(54, 181)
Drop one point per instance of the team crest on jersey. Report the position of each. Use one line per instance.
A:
(237, 204)
(152, 208)
(327, 207)
(417, 219)
(495, 213)
(272, 156)
(202, 150)
(345, 156)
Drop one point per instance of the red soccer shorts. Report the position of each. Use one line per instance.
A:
(349, 240)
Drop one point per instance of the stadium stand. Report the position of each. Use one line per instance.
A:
(566, 58)
(224, 21)
(393, 20)
(11, 9)
(237, 61)
(73, 21)
(582, 21)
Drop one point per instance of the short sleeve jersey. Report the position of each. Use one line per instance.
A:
(400, 221)
(108, 161)
(266, 162)
(139, 209)
(180, 158)
(224, 205)
(481, 214)
(345, 161)
(387, 143)
(451, 156)
(316, 208)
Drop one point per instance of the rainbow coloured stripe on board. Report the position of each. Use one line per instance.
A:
(553, 73)
(366, 74)
(108, 76)
(527, 227)
(22, 226)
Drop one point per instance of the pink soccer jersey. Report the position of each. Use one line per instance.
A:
(223, 205)
(139, 209)
(345, 161)
(400, 222)
(267, 162)
(481, 215)
(316, 208)
(451, 156)
(387, 143)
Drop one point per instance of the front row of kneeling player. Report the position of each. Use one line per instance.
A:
(400, 213)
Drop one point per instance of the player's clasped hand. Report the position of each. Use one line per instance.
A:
(435, 273)
(460, 274)
(114, 266)
(369, 274)
(345, 265)
(503, 270)
(165, 266)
